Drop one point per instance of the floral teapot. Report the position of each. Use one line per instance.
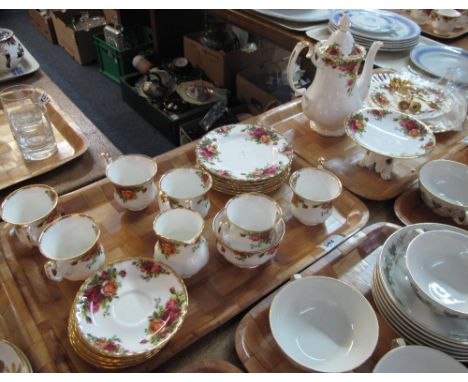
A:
(336, 90)
(11, 51)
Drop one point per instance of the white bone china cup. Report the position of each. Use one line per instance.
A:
(29, 209)
(133, 179)
(71, 243)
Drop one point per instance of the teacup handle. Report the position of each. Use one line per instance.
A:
(166, 199)
(321, 162)
(107, 157)
(397, 343)
(463, 220)
(52, 271)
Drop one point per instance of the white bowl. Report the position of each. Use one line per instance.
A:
(444, 184)
(437, 264)
(323, 324)
(418, 359)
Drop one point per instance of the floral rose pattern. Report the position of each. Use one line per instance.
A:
(165, 318)
(264, 172)
(90, 257)
(347, 66)
(168, 248)
(428, 146)
(224, 130)
(110, 345)
(379, 113)
(259, 238)
(242, 256)
(100, 292)
(261, 135)
(150, 269)
(204, 177)
(411, 127)
(130, 193)
(381, 99)
(357, 123)
(208, 150)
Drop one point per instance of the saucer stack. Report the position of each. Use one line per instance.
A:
(109, 324)
(397, 32)
(402, 304)
(245, 158)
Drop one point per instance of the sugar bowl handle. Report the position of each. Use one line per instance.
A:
(52, 271)
(462, 220)
(107, 157)
(321, 162)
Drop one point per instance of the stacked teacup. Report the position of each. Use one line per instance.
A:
(249, 230)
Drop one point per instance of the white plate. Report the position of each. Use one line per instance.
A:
(371, 21)
(297, 15)
(27, 66)
(395, 282)
(130, 307)
(183, 90)
(244, 152)
(389, 133)
(438, 60)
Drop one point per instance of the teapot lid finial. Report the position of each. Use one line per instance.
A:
(344, 23)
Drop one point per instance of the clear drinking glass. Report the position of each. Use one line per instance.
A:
(26, 111)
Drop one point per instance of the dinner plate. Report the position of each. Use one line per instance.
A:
(244, 153)
(438, 60)
(389, 133)
(403, 29)
(297, 15)
(395, 283)
(131, 307)
(12, 359)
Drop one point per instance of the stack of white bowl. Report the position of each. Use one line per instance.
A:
(421, 288)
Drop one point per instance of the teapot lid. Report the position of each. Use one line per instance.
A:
(342, 37)
(5, 34)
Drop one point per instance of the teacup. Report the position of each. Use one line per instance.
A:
(421, 16)
(437, 262)
(463, 19)
(133, 179)
(314, 190)
(250, 218)
(444, 184)
(71, 243)
(29, 209)
(186, 188)
(445, 20)
(417, 359)
(180, 242)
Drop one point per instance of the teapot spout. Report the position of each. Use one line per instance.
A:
(364, 81)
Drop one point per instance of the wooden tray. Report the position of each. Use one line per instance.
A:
(34, 310)
(211, 366)
(411, 209)
(342, 154)
(352, 262)
(428, 29)
(71, 143)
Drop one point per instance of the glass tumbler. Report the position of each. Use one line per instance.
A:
(26, 111)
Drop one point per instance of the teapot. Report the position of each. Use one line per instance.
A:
(11, 51)
(336, 90)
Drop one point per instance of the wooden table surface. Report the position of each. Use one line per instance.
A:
(83, 170)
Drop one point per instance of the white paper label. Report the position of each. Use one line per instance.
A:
(44, 99)
(332, 242)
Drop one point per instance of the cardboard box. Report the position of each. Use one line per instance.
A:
(112, 15)
(78, 44)
(257, 97)
(221, 67)
(44, 24)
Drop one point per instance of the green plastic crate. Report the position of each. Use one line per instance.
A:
(115, 63)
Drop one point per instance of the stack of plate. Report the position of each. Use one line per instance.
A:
(397, 32)
(12, 359)
(409, 315)
(245, 158)
(126, 313)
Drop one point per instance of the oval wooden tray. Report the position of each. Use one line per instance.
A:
(352, 262)
(211, 366)
(411, 209)
(34, 310)
(71, 143)
(342, 154)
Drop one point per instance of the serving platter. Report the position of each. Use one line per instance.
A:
(411, 209)
(351, 262)
(216, 294)
(389, 133)
(342, 154)
(71, 143)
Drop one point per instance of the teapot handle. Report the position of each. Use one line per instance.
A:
(292, 60)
